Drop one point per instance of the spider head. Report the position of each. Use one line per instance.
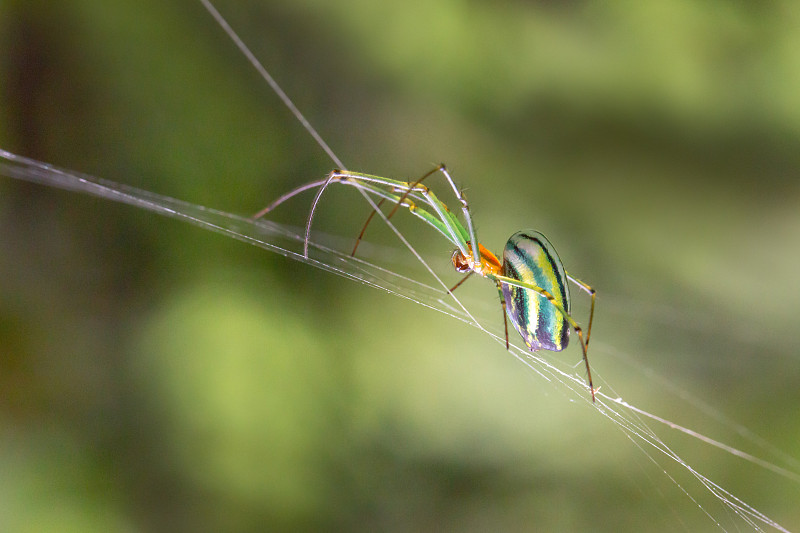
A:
(487, 265)
(461, 263)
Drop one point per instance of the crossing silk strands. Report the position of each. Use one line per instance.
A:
(659, 436)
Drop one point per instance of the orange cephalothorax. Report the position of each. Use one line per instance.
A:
(489, 262)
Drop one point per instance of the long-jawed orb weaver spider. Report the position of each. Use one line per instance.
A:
(531, 280)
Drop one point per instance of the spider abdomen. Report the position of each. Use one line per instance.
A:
(530, 258)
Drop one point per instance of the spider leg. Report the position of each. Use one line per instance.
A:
(286, 196)
(592, 293)
(410, 188)
(457, 285)
(333, 175)
(560, 308)
(476, 256)
(369, 219)
(505, 316)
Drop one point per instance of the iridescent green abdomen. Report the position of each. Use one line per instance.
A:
(530, 258)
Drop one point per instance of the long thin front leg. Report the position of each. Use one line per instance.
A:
(393, 211)
(286, 196)
(408, 191)
(476, 256)
(328, 180)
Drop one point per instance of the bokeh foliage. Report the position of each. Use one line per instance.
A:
(155, 377)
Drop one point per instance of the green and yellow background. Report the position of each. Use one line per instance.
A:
(156, 377)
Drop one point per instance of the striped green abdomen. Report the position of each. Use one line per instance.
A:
(530, 258)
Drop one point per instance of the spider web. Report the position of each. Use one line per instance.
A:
(631, 420)
(644, 429)
(637, 424)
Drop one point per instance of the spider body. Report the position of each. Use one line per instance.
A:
(531, 280)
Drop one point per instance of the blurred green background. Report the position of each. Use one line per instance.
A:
(156, 377)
